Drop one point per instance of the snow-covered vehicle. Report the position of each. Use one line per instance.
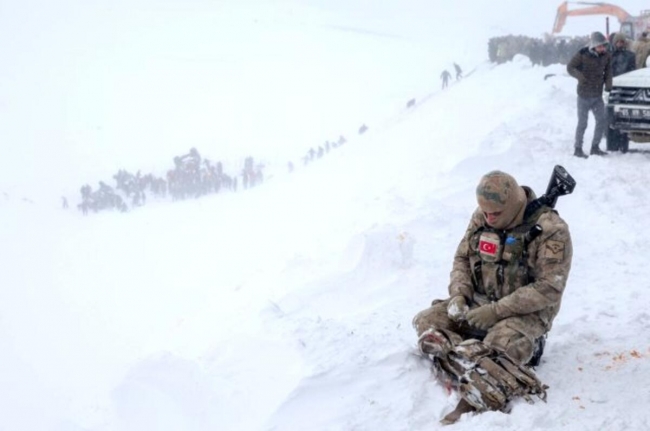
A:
(628, 110)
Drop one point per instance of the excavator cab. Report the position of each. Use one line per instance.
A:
(628, 30)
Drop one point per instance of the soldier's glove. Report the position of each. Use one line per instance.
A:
(457, 308)
(483, 317)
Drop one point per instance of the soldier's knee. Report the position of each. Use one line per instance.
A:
(521, 349)
(420, 320)
(434, 317)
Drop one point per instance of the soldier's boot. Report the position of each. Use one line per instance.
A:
(538, 352)
(461, 408)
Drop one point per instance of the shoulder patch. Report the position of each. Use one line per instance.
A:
(554, 250)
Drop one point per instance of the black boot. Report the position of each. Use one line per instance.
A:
(579, 153)
(595, 151)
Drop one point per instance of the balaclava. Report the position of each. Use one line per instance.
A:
(499, 192)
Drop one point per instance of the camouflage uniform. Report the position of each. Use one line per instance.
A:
(500, 266)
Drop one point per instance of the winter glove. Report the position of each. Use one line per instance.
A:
(483, 317)
(457, 308)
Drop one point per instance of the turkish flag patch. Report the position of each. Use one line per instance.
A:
(488, 246)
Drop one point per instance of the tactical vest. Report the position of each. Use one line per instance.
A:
(499, 258)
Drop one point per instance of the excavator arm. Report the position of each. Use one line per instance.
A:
(592, 9)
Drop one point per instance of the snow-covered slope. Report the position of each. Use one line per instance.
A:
(288, 306)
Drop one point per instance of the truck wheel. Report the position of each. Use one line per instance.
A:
(613, 139)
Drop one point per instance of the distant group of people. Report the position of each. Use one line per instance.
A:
(446, 76)
(191, 177)
(542, 52)
(103, 198)
(559, 50)
(318, 152)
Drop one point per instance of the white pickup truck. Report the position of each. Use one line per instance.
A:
(628, 110)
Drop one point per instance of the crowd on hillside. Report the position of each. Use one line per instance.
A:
(191, 177)
(560, 50)
(541, 52)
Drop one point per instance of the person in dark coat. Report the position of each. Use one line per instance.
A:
(623, 60)
(592, 67)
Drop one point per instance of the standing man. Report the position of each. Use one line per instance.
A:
(623, 60)
(592, 67)
(642, 50)
(445, 75)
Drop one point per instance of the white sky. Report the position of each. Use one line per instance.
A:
(288, 306)
(88, 88)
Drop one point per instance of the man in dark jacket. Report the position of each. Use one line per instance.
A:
(623, 60)
(592, 67)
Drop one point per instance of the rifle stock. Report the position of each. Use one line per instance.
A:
(561, 183)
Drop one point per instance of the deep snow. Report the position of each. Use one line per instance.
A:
(288, 306)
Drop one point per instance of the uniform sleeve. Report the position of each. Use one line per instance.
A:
(551, 269)
(461, 279)
(573, 67)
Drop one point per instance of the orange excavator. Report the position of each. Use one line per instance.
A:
(631, 26)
